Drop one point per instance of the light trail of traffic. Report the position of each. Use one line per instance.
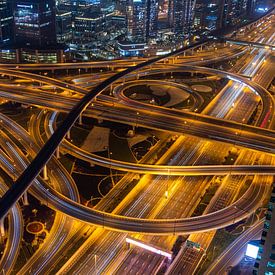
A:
(62, 224)
(14, 235)
(46, 152)
(156, 226)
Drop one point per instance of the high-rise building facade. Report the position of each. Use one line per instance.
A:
(64, 31)
(251, 5)
(233, 11)
(6, 22)
(142, 19)
(152, 18)
(265, 262)
(181, 13)
(34, 22)
(207, 14)
(262, 6)
(136, 13)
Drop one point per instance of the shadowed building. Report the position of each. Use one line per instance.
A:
(34, 22)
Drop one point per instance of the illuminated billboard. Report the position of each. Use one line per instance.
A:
(252, 250)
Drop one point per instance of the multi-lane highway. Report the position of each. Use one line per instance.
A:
(14, 235)
(122, 109)
(236, 250)
(58, 177)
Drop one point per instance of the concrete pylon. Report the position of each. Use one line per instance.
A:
(25, 199)
(57, 152)
(80, 120)
(69, 134)
(45, 173)
(2, 229)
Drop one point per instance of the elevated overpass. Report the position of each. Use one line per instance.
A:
(250, 44)
(117, 222)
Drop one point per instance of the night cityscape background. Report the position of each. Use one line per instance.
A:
(137, 137)
(91, 30)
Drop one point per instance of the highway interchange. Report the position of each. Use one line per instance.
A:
(218, 121)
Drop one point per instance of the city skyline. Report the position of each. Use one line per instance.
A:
(87, 30)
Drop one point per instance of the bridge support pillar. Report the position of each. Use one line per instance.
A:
(69, 134)
(137, 177)
(80, 119)
(45, 173)
(2, 229)
(25, 199)
(57, 152)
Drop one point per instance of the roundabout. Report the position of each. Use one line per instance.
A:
(161, 93)
(35, 227)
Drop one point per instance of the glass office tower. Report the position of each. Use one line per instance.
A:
(34, 22)
(181, 13)
(142, 19)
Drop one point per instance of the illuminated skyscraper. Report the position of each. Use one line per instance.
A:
(181, 14)
(142, 16)
(6, 22)
(233, 11)
(64, 30)
(34, 22)
(262, 6)
(207, 14)
(152, 17)
(251, 5)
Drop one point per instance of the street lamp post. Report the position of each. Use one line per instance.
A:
(95, 257)
(137, 120)
(167, 185)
